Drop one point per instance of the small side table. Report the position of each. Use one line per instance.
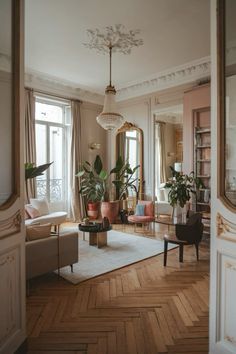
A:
(97, 234)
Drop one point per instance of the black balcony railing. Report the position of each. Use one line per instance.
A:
(51, 189)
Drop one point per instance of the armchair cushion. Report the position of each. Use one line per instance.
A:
(41, 205)
(140, 210)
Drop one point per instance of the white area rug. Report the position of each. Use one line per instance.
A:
(122, 249)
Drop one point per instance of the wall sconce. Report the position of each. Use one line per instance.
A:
(94, 146)
(171, 154)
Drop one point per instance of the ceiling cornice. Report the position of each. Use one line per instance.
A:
(190, 72)
(54, 85)
(179, 75)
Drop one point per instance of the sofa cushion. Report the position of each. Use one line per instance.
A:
(41, 205)
(32, 211)
(56, 218)
(36, 232)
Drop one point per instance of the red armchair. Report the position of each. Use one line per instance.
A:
(148, 216)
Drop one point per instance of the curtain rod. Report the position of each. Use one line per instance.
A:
(52, 95)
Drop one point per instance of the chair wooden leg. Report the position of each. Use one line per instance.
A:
(181, 252)
(71, 268)
(165, 251)
(197, 250)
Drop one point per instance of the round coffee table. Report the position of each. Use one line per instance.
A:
(97, 233)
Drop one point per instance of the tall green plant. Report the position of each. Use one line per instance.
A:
(124, 178)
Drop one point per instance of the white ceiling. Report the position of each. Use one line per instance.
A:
(175, 32)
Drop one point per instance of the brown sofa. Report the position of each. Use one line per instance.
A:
(42, 254)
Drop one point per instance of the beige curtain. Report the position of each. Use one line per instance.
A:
(77, 203)
(30, 142)
(161, 151)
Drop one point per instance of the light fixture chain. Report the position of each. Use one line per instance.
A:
(110, 55)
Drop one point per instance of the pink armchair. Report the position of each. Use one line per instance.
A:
(148, 216)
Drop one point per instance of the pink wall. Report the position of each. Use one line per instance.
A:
(196, 98)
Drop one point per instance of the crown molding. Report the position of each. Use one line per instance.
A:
(67, 89)
(190, 72)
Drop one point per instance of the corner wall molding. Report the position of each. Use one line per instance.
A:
(179, 75)
(225, 228)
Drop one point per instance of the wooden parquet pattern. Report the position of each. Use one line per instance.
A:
(140, 309)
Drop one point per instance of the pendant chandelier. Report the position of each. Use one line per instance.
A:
(113, 40)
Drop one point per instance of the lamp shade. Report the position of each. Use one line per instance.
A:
(110, 119)
(178, 166)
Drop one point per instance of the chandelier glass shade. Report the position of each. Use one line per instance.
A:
(110, 119)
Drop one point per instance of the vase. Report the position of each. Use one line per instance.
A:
(179, 214)
(110, 210)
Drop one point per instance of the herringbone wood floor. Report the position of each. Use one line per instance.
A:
(143, 308)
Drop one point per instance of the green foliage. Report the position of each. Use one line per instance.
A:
(181, 187)
(124, 178)
(95, 181)
(32, 171)
(92, 180)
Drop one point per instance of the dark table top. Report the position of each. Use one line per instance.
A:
(94, 227)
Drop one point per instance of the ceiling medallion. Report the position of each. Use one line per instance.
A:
(113, 39)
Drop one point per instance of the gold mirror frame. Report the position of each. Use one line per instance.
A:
(16, 55)
(221, 107)
(127, 126)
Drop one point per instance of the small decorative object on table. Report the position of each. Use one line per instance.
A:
(86, 221)
(105, 223)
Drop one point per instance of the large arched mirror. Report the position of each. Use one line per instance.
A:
(129, 145)
(9, 102)
(227, 100)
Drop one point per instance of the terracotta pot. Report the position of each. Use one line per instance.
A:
(110, 210)
(92, 210)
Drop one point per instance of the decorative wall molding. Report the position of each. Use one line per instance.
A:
(57, 86)
(190, 72)
(11, 225)
(225, 228)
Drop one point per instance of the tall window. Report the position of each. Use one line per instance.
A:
(53, 123)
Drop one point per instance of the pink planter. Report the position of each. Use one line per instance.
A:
(110, 210)
(92, 210)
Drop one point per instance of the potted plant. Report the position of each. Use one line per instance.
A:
(96, 184)
(124, 180)
(92, 185)
(181, 187)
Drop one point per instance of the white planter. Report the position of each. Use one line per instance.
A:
(180, 214)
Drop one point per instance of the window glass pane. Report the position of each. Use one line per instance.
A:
(132, 153)
(41, 149)
(56, 169)
(48, 112)
(132, 134)
(41, 145)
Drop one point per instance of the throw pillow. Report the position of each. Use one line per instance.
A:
(32, 212)
(41, 205)
(140, 210)
(36, 232)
